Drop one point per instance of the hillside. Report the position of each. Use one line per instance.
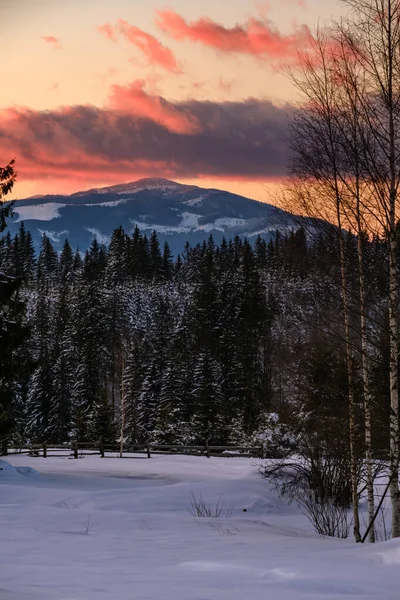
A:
(178, 212)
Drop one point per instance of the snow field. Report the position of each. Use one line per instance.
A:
(104, 529)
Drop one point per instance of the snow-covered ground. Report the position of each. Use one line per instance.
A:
(96, 529)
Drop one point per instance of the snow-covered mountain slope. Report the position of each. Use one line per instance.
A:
(178, 212)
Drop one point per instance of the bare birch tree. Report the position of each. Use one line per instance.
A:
(320, 188)
(356, 196)
(372, 32)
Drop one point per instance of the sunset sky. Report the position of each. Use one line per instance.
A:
(96, 92)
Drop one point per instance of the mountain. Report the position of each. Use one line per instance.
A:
(178, 213)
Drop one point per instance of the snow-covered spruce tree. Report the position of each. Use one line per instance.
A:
(156, 259)
(132, 381)
(47, 267)
(66, 263)
(41, 385)
(13, 331)
(207, 377)
(117, 281)
(40, 389)
(251, 327)
(91, 415)
(63, 360)
(148, 402)
(158, 340)
(172, 424)
(167, 268)
(138, 256)
(207, 395)
(23, 255)
(229, 300)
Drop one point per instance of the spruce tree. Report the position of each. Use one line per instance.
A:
(13, 331)
(41, 389)
(47, 261)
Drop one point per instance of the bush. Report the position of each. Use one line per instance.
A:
(321, 487)
(200, 508)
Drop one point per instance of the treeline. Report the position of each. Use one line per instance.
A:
(180, 347)
(226, 342)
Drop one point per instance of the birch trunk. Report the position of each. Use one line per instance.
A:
(350, 379)
(394, 389)
(366, 392)
(392, 42)
(121, 446)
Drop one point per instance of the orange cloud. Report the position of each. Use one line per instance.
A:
(133, 99)
(257, 37)
(153, 50)
(50, 39)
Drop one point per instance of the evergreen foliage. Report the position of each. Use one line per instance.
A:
(202, 347)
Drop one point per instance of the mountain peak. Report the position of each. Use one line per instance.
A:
(133, 187)
(177, 212)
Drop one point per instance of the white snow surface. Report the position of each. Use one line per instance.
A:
(10, 473)
(196, 201)
(190, 222)
(54, 236)
(121, 529)
(101, 237)
(148, 183)
(109, 204)
(39, 212)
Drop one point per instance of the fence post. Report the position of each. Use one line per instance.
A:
(101, 447)
(44, 449)
(148, 450)
(4, 447)
(207, 449)
(75, 449)
(262, 451)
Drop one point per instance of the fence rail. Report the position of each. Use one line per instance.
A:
(79, 449)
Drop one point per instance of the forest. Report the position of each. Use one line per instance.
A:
(228, 343)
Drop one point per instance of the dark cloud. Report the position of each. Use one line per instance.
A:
(238, 140)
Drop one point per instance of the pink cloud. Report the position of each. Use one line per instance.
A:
(134, 100)
(257, 37)
(150, 46)
(50, 39)
(108, 31)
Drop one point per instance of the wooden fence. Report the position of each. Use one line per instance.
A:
(101, 448)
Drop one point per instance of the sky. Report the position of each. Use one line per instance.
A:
(99, 92)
